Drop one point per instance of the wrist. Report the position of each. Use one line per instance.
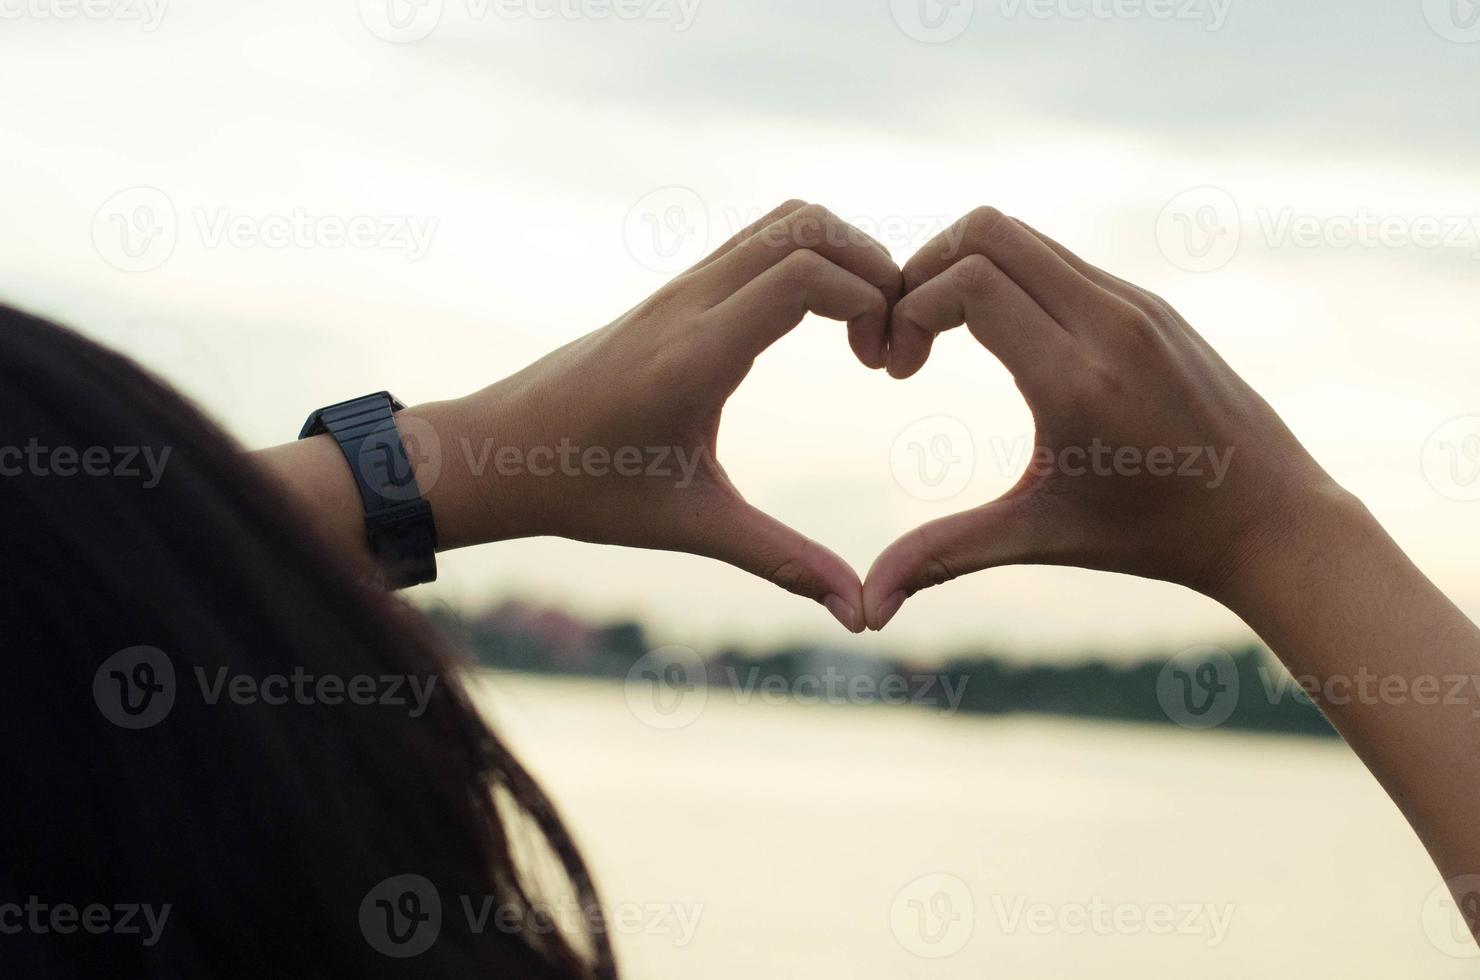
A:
(454, 449)
(1277, 563)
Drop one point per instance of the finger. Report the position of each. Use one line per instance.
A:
(811, 228)
(773, 303)
(1143, 299)
(1005, 319)
(1004, 532)
(1105, 280)
(740, 236)
(754, 541)
(1057, 287)
(770, 218)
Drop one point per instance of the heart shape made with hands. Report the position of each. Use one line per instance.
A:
(1102, 365)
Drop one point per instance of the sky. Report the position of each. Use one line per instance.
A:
(1297, 179)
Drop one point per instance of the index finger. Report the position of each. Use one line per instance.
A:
(812, 228)
(1055, 285)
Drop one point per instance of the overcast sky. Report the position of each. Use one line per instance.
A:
(1298, 179)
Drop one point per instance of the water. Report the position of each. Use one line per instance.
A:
(874, 842)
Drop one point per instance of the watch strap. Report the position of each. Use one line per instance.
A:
(398, 520)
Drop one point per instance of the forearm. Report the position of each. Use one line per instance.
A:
(470, 504)
(1390, 660)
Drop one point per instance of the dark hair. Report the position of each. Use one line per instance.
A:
(277, 834)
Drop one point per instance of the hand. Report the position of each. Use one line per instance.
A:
(612, 439)
(1152, 457)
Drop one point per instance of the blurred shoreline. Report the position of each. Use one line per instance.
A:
(1241, 687)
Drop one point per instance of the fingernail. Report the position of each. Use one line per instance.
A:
(843, 613)
(889, 608)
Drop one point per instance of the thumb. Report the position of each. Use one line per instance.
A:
(1007, 531)
(754, 541)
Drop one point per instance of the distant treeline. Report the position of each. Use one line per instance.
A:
(1234, 688)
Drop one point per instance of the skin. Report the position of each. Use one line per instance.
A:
(1107, 369)
(655, 380)
(1277, 541)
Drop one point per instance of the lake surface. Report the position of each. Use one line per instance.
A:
(781, 840)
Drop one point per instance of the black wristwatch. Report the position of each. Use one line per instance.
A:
(398, 520)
